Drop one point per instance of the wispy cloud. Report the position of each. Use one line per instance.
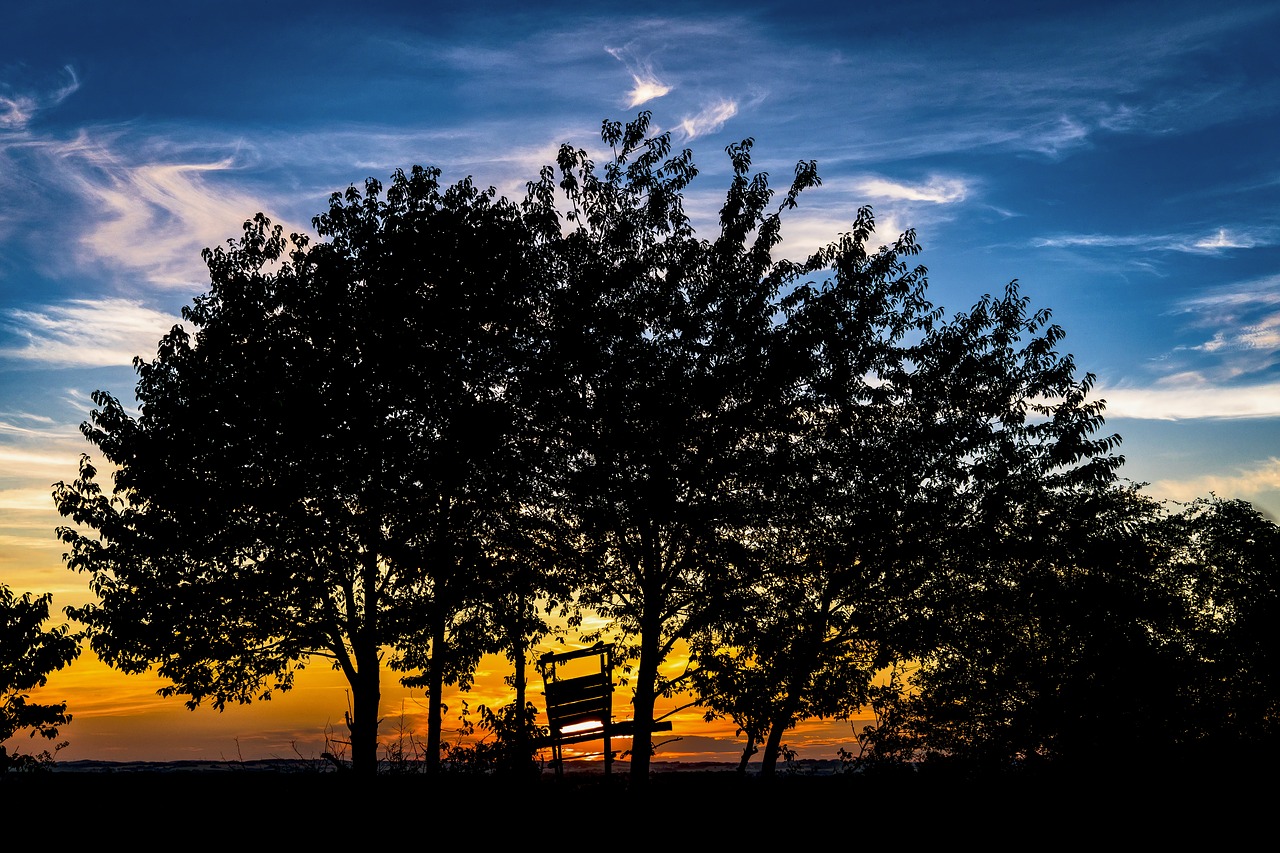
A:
(154, 216)
(31, 417)
(131, 201)
(1224, 239)
(18, 108)
(1218, 240)
(709, 120)
(87, 333)
(1089, 77)
(1264, 336)
(1233, 299)
(646, 86)
(1191, 400)
(35, 451)
(937, 189)
(1243, 325)
(806, 231)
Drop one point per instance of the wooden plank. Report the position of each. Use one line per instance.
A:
(574, 689)
(627, 728)
(579, 709)
(561, 657)
(595, 705)
(622, 729)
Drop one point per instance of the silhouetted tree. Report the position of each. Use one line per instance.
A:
(318, 471)
(911, 425)
(1224, 563)
(1057, 643)
(672, 391)
(28, 654)
(1104, 625)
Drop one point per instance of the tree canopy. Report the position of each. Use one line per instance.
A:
(452, 417)
(28, 654)
(319, 469)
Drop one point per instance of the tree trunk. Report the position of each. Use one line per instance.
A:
(645, 697)
(362, 723)
(772, 746)
(523, 749)
(747, 751)
(786, 715)
(804, 662)
(435, 698)
(642, 705)
(365, 680)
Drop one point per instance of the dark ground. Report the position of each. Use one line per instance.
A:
(269, 804)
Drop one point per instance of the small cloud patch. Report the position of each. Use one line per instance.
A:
(646, 86)
(936, 190)
(709, 120)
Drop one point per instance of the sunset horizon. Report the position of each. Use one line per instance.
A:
(1113, 160)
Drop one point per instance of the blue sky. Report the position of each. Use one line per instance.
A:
(1118, 159)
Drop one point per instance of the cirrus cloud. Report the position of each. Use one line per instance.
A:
(1218, 240)
(18, 108)
(87, 333)
(647, 85)
(710, 119)
(937, 190)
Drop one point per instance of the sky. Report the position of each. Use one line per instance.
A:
(1118, 159)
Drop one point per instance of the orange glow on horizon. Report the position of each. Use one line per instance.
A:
(118, 717)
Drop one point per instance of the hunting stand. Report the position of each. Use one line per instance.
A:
(580, 708)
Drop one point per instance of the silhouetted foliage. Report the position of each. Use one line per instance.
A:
(1224, 563)
(503, 745)
(454, 416)
(28, 654)
(915, 430)
(1050, 653)
(1103, 627)
(321, 470)
(675, 390)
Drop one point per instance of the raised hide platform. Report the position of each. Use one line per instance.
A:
(580, 708)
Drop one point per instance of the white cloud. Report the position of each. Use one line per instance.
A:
(805, 232)
(38, 499)
(646, 90)
(1219, 240)
(1095, 241)
(1264, 336)
(14, 459)
(1053, 137)
(1243, 323)
(155, 217)
(1232, 298)
(647, 85)
(22, 416)
(17, 109)
(937, 189)
(32, 458)
(88, 333)
(709, 120)
(1191, 399)
(128, 205)
(1245, 483)
(1223, 239)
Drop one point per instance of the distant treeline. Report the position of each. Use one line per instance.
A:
(455, 421)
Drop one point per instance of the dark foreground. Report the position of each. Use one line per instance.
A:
(240, 805)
